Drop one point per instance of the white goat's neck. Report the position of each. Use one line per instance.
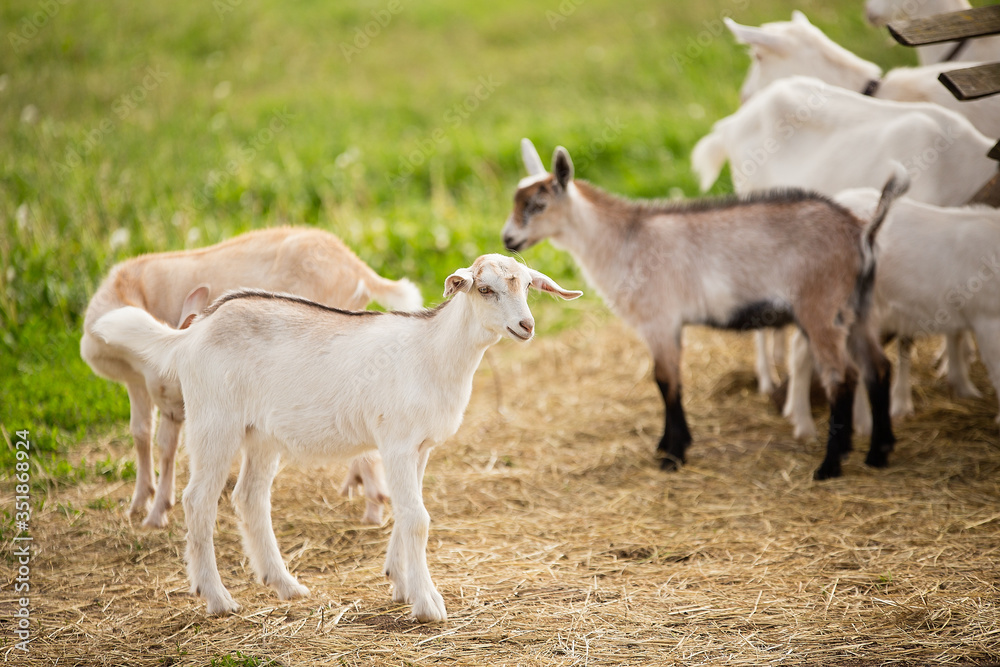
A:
(458, 341)
(845, 69)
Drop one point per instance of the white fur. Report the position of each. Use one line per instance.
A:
(275, 377)
(797, 47)
(957, 290)
(176, 285)
(881, 12)
(801, 132)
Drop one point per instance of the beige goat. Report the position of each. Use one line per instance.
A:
(174, 286)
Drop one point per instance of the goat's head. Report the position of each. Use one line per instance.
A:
(798, 48)
(541, 204)
(880, 12)
(497, 289)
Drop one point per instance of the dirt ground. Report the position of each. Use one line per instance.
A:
(556, 540)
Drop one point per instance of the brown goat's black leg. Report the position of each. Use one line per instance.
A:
(676, 436)
(878, 380)
(838, 442)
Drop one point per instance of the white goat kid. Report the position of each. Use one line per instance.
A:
(801, 132)
(957, 290)
(276, 375)
(768, 260)
(881, 12)
(797, 47)
(174, 286)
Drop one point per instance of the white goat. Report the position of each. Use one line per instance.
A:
(797, 47)
(781, 256)
(801, 132)
(957, 252)
(278, 375)
(881, 12)
(174, 286)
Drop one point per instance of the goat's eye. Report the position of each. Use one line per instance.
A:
(485, 291)
(535, 206)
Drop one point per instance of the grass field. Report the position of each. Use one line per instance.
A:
(140, 127)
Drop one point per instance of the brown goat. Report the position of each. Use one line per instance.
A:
(775, 258)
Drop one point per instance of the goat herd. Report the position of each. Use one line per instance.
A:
(284, 361)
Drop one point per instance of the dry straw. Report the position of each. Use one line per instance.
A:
(556, 540)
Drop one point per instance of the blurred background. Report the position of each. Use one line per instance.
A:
(142, 127)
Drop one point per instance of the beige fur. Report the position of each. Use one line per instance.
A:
(173, 286)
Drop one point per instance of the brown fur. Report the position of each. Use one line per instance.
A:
(734, 262)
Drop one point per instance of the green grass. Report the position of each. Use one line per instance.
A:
(181, 124)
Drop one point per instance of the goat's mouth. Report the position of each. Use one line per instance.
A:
(517, 335)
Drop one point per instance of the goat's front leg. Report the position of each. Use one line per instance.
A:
(902, 386)
(765, 378)
(406, 557)
(676, 436)
(366, 471)
(167, 436)
(959, 352)
(988, 337)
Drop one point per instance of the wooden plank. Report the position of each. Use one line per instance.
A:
(947, 27)
(989, 194)
(971, 83)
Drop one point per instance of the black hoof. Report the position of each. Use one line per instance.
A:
(828, 470)
(670, 463)
(877, 459)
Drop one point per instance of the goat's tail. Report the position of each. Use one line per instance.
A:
(895, 187)
(394, 294)
(137, 331)
(707, 159)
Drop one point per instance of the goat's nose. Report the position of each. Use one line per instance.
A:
(528, 326)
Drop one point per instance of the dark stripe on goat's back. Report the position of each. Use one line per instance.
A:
(651, 207)
(291, 298)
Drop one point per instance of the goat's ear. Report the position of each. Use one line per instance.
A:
(532, 160)
(194, 303)
(800, 18)
(562, 166)
(757, 37)
(460, 281)
(543, 283)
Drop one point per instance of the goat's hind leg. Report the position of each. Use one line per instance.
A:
(211, 452)
(141, 425)
(167, 436)
(877, 373)
(840, 379)
(252, 500)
